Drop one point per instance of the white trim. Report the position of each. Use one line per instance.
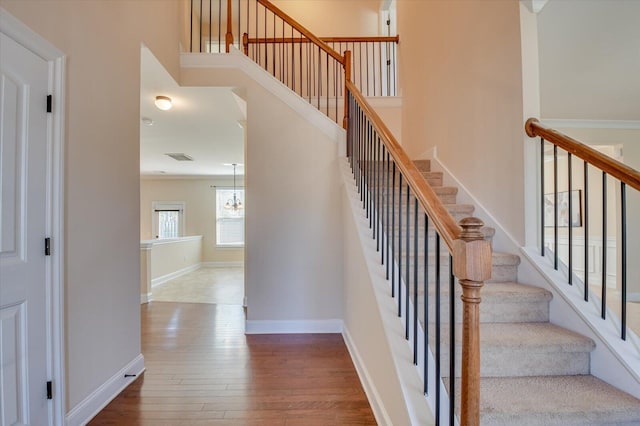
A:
(146, 298)
(633, 296)
(590, 124)
(173, 275)
(293, 326)
(147, 244)
(22, 34)
(237, 59)
(228, 264)
(377, 405)
(99, 398)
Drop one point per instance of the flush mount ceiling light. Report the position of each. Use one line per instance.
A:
(163, 103)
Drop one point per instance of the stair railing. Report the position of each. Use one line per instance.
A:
(310, 66)
(295, 56)
(373, 59)
(568, 201)
(422, 248)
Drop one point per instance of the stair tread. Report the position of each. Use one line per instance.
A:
(502, 259)
(555, 400)
(538, 337)
(514, 291)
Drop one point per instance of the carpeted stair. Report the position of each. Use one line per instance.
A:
(533, 372)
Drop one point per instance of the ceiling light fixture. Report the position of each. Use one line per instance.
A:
(147, 121)
(234, 204)
(163, 103)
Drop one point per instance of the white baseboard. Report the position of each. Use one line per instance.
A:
(145, 298)
(82, 413)
(293, 326)
(173, 275)
(231, 264)
(379, 411)
(633, 296)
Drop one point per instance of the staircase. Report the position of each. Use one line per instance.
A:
(532, 372)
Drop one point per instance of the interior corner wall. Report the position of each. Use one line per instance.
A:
(460, 76)
(102, 40)
(293, 241)
(199, 196)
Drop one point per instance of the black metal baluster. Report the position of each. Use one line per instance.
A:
(437, 357)
(210, 38)
(542, 204)
(407, 282)
(378, 193)
(415, 281)
(387, 222)
(400, 246)
(603, 308)
(555, 207)
(623, 214)
(570, 179)
(452, 344)
(425, 325)
(586, 231)
(393, 230)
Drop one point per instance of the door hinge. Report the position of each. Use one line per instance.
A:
(47, 246)
(49, 390)
(49, 103)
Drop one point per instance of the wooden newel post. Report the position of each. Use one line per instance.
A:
(347, 77)
(472, 266)
(228, 37)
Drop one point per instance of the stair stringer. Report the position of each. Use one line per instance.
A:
(613, 360)
(372, 330)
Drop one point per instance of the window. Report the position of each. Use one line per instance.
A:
(168, 219)
(229, 219)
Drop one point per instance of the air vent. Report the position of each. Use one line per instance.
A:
(179, 156)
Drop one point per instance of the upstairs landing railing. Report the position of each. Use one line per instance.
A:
(583, 201)
(311, 66)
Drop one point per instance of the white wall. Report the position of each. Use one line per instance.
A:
(460, 69)
(102, 42)
(200, 211)
(293, 250)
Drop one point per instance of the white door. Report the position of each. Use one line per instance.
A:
(23, 215)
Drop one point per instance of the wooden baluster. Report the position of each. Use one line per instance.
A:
(472, 266)
(228, 38)
(347, 77)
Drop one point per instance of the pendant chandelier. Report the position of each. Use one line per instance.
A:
(234, 203)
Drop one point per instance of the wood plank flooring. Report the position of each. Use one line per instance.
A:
(201, 369)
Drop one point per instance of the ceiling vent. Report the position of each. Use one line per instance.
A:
(179, 156)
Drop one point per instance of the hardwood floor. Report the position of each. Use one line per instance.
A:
(203, 370)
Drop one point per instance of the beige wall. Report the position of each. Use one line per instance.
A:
(461, 85)
(200, 211)
(168, 257)
(102, 268)
(293, 251)
(327, 18)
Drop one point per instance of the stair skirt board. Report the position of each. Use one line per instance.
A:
(420, 407)
(82, 413)
(293, 326)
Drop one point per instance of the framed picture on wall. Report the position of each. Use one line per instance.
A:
(563, 210)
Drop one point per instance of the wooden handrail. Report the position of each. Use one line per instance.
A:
(281, 40)
(302, 30)
(605, 163)
(447, 227)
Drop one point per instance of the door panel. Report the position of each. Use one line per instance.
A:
(23, 217)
